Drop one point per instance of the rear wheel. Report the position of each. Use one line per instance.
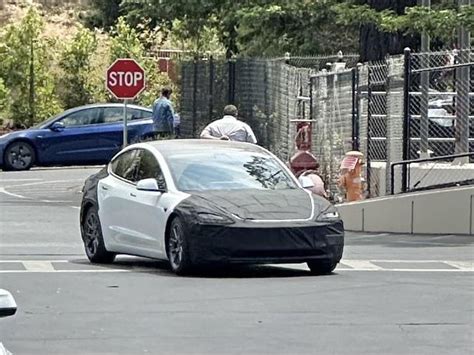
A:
(93, 240)
(19, 156)
(321, 267)
(177, 246)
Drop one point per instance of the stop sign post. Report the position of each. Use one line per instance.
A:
(125, 79)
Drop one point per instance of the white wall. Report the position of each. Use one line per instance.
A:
(447, 211)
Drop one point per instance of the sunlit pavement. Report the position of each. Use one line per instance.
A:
(390, 294)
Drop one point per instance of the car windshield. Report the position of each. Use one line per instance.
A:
(233, 170)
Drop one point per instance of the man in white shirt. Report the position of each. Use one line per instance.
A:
(229, 128)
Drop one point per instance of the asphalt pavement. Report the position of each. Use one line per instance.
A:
(391, 294)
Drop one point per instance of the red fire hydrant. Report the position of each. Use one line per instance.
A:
(303, 159)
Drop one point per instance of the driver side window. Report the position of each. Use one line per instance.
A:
(127, 165)
(149, 168)
(82, 118)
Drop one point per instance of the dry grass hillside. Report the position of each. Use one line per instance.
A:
(60, 16)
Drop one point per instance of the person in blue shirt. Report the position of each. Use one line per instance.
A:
(163, 115)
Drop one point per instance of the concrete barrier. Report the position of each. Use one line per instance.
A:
(446, 211)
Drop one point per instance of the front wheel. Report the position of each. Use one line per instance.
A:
(321, 267)
(177, 246)
(19, 156)
(93, 239)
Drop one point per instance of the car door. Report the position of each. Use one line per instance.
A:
(130, 218)
(75, 141)
(147, 208)
(113, 194)
(111, 139)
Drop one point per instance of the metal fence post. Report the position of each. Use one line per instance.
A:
(195, 77)
(406, 116)
(211, 87)
(462, 88)
(355, 107)
(369, 127)
(231, 92)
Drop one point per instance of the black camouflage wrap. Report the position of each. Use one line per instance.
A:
(89, 192)
(248, 241)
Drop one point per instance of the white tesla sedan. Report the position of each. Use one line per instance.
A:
(200, 202)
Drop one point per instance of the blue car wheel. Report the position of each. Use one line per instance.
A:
(19, 156)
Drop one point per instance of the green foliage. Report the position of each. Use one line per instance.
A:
(438, 22)
(4, 101)
(299, 27)
(76, 62)
(126, 43)
(25, 70)
(103, 13)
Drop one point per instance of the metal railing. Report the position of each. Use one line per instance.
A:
(469, 180)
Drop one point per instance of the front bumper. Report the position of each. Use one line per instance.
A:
(250, 244)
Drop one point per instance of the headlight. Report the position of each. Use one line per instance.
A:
(330, 214)
(4, 135)
(212, 218)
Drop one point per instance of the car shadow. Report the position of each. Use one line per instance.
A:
(162, 268)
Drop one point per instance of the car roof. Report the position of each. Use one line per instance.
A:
(168, 147)
(102, 105)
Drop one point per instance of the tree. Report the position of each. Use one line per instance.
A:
(125, 43)
(102, 13)
(25, 70)
(388, 26)
(76, 63)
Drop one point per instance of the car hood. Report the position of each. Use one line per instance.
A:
(291, 204)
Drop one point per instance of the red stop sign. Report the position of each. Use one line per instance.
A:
(125, 79)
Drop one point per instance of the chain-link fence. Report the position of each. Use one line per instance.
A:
(439, 120)
(404, 107)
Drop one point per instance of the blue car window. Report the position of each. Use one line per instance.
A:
(136, 114)
(113, 114)
(82, 118)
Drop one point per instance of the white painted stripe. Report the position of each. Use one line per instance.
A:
(2, 190)
(19, 180)
(463, 265)
(64, 271)
(38, 266)
(39, 245)
(34, 261)
(408, 270)
(361, 264)
(46, 182)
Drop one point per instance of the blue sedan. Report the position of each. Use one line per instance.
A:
(89, 134)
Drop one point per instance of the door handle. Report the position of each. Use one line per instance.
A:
(132, 194)
(104, 187)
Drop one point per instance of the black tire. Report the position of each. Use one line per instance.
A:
(19, 155)
(178, 249)
(321, 267)
(92, 237)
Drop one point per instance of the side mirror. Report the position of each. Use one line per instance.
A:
(7, 304)
(57, 126)
(149, 185)
(306, 182)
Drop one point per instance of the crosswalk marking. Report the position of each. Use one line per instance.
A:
(82, 266)
(38, 266)
(361, 265)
